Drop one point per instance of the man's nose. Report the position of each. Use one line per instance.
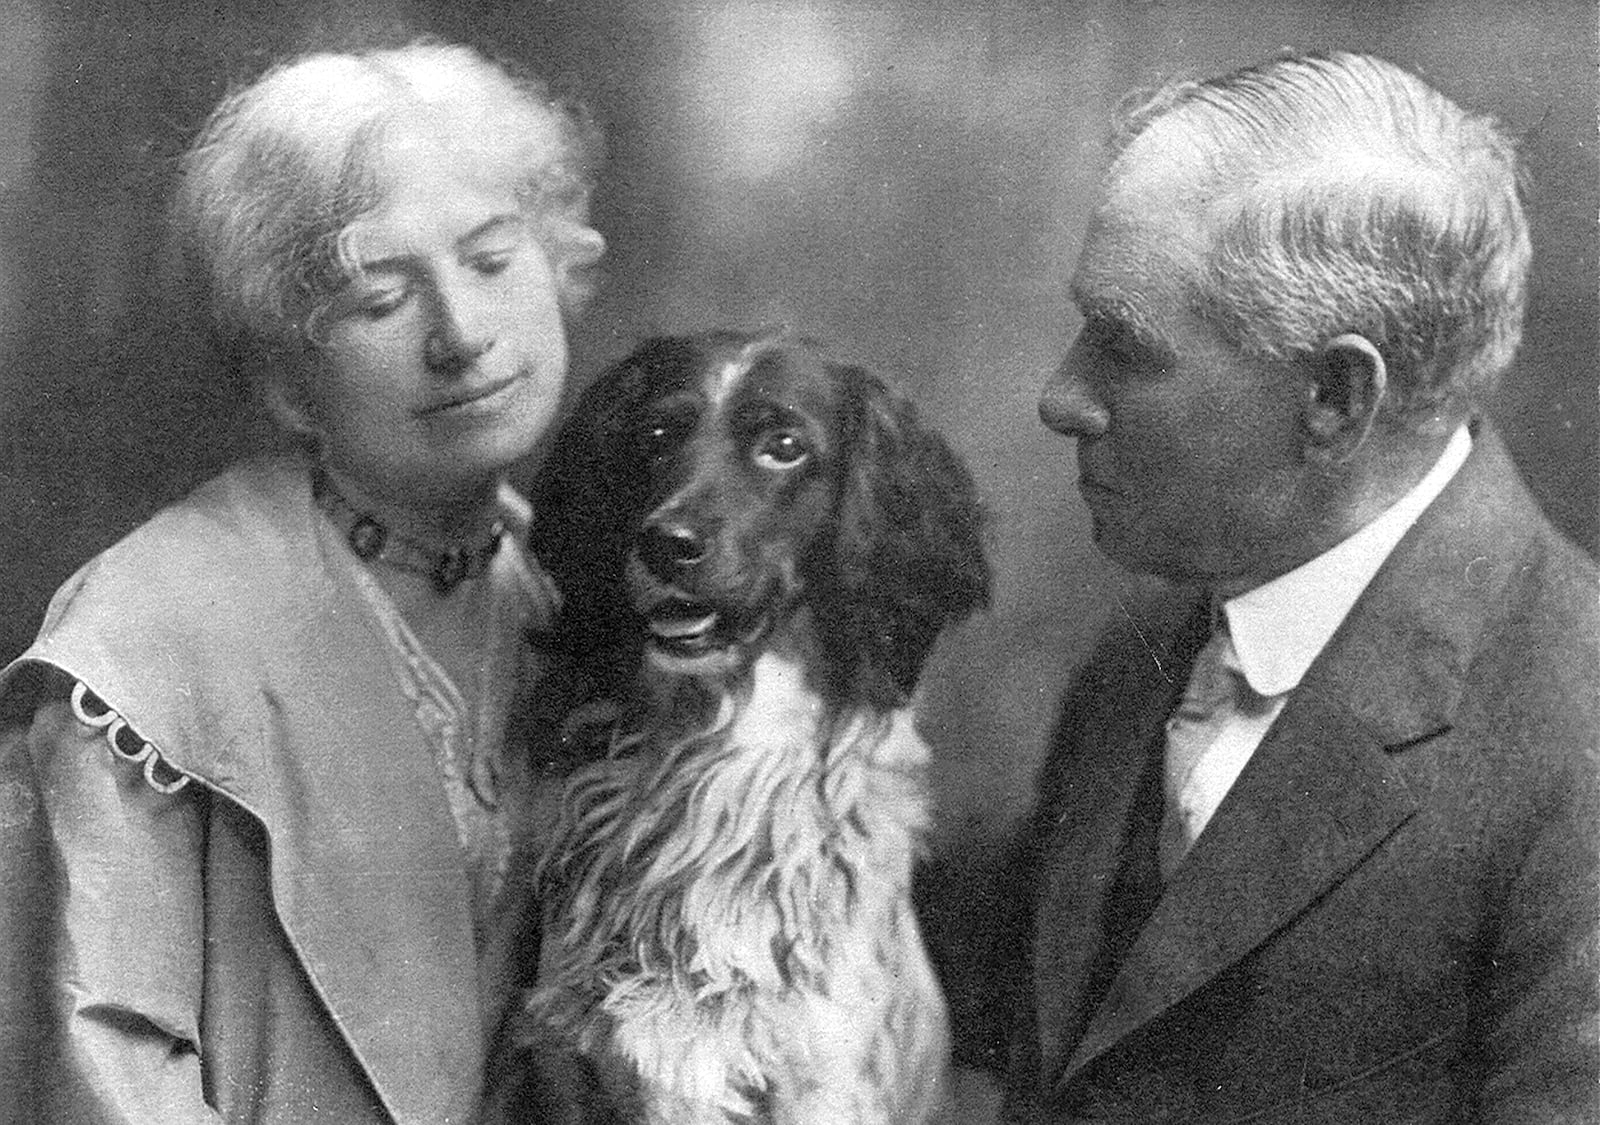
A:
(1068, 404)
(457, 337)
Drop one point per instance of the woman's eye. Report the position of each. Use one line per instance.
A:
(488, 263)
(375, 304)
(781, 449)
(381, 307)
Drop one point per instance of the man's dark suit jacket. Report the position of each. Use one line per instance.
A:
(1393, 914)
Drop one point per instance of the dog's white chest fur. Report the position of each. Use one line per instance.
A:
(737, 924)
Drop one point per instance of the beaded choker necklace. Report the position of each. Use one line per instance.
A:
(373, 541)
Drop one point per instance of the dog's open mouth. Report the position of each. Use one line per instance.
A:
(694, 636)
(685, 628)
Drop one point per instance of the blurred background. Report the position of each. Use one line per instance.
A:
(907, 178)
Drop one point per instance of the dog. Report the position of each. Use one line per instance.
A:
(756, 547)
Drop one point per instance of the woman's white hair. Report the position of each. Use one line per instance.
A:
(284, 165)
(1349, 196)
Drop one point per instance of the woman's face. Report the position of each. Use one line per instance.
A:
(442, 361)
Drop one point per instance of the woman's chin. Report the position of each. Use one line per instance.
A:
(492, 435)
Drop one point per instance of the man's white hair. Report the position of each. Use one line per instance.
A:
(1346, 195)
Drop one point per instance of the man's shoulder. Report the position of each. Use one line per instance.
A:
(1533, 594)
(1562, 584)
(1485, 597)
(1536, 669)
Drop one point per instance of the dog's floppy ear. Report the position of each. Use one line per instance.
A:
(587, 497)
(907, 556)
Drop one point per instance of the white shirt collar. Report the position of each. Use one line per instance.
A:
(1279, 628)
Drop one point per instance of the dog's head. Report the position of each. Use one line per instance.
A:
(707, 489)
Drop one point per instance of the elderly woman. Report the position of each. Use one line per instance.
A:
(255, 802)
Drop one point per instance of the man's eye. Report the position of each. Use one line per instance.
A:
(1113, 339)
(781, 449)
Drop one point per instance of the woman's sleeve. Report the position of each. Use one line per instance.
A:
(104, 916)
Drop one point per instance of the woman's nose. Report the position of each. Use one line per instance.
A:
(1068, 405)
(456, 338)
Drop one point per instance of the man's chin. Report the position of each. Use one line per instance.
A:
(1134, 553)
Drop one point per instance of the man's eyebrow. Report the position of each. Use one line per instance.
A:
(1111, 307)
(1096, 301)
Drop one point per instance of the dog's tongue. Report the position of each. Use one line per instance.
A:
(680, 620)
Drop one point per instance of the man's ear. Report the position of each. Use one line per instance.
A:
(1347, 380)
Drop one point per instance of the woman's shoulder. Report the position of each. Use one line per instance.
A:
(182, 586)
(203, 619)
(255, 515)
(257, 508)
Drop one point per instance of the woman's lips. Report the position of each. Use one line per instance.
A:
(463, 401)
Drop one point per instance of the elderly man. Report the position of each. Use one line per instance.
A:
(1315, 841)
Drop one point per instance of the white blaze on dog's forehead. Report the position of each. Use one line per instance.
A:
(725, 379)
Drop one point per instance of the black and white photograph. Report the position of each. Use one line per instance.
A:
(799, 562)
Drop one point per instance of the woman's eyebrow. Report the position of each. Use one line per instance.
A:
(405, 256)
(489, 227)
(397, 261)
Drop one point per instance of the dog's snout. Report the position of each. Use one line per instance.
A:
(669, 546)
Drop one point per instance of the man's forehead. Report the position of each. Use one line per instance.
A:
(1134, 264)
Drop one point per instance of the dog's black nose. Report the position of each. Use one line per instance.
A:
(669, 547)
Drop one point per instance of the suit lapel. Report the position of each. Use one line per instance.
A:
(1322, 792)
(1083, 841)
(1316, 799)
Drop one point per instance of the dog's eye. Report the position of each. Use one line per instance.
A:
(660, 437)
(781, 449)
